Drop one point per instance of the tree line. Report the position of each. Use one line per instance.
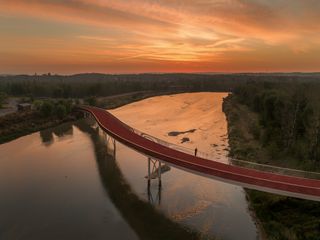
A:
(85, 85)
(3, 97)
(289, 116)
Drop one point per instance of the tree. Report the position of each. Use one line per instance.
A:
(3, 98)
(314, 139)
(91, 101)
(61, 111)
(46, 109)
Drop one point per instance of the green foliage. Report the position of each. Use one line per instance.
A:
(3, 97)
(286, 218)
(84, 85)
(67, 103)
(255, 130)
(37, 104)
(47, 108)
(289, 117)
(61, 111)
(281, 217)
(60, 108)
(91, 101)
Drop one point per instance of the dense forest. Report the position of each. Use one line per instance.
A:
(277, 123)
(289, 117)
(85, 85)
(287, 104)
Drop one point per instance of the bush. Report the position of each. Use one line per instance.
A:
(37, 104)
(47, 108)
(254, 129)
(67, 104)
(3, 97)
(61, 111)
(91, 101)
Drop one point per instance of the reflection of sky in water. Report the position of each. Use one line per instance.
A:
(54, 191)
(50, 186)
(208, 205)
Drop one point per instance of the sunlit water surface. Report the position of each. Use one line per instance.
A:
(53, 185)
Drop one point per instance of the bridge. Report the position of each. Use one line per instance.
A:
(156, 149)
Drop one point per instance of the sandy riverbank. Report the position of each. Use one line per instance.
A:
(181, 113)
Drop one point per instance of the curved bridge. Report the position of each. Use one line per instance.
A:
(269, 182)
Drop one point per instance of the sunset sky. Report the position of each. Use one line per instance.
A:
(130, 36)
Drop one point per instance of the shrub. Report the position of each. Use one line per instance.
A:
(91, 101)
(47, 108)
(37, 104)
(61, 111)
(3, 97)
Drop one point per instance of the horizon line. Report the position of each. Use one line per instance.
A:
(159, 73)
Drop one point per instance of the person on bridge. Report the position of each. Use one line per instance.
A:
(195, 151)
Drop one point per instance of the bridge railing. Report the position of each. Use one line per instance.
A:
(275, 169)
(162, 142)
(233, 161)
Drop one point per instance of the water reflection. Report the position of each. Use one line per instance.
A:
(46, 137)
(147, 222)
(154, 196)
(55, 191)
(213, 207)
(63, 130)
(66, 184)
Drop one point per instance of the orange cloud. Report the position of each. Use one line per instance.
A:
(146, 35)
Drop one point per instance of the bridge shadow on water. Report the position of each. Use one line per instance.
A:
(144, 218)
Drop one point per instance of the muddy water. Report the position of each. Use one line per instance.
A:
(62, 184)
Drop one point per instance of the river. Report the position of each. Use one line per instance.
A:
(61, 183)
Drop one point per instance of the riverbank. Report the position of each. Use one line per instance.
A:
(18, 124)
(213, 207)
(281, 217)
(210, 207)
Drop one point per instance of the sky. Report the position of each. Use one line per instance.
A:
(134, 36)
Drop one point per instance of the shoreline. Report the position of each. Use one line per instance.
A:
(130, 99)
(19, 124)
(279, 217)
(261, 231)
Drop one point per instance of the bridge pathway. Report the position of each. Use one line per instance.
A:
(250, 178)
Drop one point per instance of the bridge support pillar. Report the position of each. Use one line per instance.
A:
(104, 136)
(149, 172)
(114, 148)
(110, 142)
(154, 171)
(159, 173)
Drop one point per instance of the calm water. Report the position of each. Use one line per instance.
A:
(62, 183)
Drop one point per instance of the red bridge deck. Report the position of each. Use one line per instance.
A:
(250, 178)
